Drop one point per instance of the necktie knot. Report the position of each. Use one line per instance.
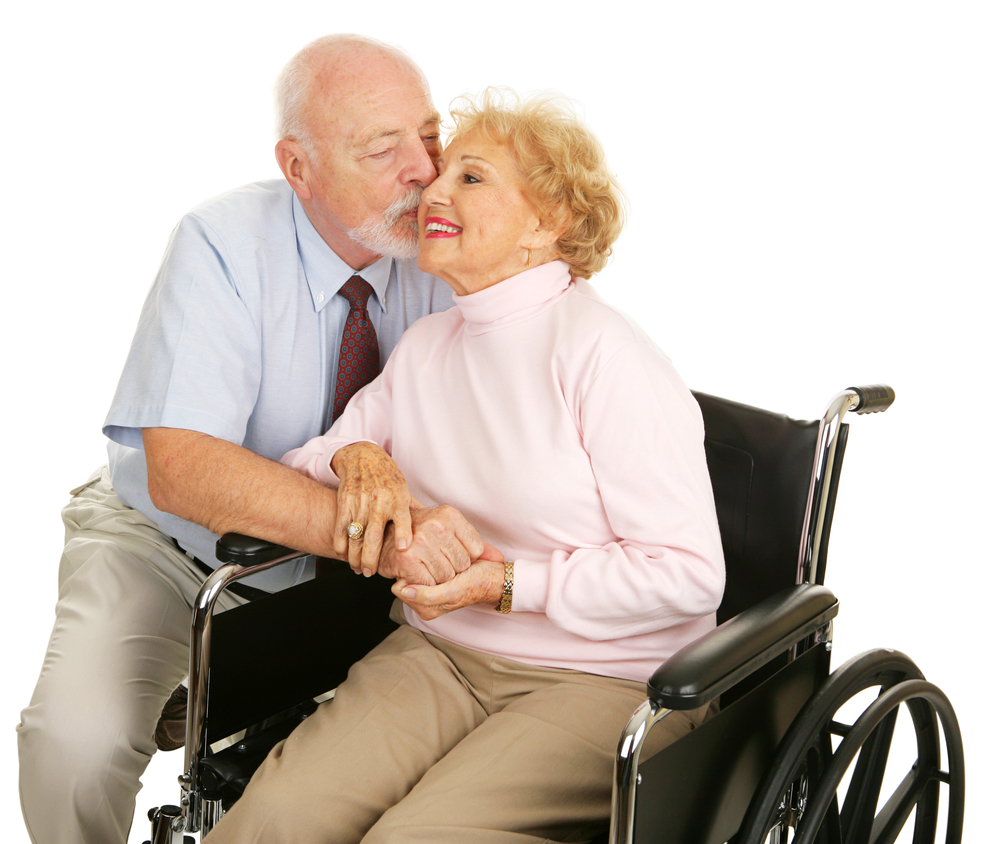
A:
(356, 291)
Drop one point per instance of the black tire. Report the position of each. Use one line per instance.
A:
(807, 767)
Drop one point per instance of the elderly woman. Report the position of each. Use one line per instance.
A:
(553, 424)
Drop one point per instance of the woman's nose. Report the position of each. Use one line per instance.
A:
(435, 193)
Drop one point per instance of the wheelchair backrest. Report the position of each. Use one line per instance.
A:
(761, 465)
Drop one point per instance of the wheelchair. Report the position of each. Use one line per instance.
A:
(776, 764)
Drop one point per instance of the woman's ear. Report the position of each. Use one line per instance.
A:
(551, 226)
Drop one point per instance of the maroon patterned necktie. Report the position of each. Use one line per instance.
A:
(359, 347)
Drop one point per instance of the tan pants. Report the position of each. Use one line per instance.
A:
(429, 742)
(119, 647)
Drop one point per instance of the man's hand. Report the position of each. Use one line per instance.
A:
(481, 583)
(372, 492)
(444, 545)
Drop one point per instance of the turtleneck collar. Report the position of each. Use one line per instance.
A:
(515, 299)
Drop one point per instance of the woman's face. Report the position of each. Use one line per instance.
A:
(476, 222)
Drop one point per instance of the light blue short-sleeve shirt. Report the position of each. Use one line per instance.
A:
(240, 337)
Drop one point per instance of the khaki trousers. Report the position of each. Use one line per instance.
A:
(430, 742)
(119, 647)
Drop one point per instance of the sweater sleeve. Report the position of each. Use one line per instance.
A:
(367, 418)
(644, 434)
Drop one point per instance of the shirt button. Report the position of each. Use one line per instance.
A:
(383, 301)
(320, 297)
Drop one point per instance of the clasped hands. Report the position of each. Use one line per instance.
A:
(438, 559)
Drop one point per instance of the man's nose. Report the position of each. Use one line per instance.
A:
(420, 168)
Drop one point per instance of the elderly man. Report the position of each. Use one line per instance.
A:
(244, 350)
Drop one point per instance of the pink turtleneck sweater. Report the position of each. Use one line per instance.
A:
(554, 424)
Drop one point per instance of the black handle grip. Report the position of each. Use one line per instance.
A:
(873, 398)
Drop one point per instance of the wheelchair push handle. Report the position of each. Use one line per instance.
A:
(873, 398)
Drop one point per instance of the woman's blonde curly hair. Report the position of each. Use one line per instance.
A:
(563, 164)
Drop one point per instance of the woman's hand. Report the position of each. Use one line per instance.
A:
(372, 492)
(481, 583)
(444, 545)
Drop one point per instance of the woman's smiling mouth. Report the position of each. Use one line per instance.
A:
(440, 227)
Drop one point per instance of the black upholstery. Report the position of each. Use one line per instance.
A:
(247, 550)
(269, 655)
(761, 467)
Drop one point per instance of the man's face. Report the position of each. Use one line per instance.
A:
(376, 138)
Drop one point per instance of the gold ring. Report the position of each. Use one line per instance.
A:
(356, 531)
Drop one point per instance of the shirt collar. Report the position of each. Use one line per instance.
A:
(325, 272)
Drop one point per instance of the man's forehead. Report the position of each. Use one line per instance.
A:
(362, 100)
(361, 116)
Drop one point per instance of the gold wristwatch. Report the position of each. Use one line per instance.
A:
(508, 587)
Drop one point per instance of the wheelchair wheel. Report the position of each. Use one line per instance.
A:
(798, 800)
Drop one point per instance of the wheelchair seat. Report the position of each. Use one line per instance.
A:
(765, 768)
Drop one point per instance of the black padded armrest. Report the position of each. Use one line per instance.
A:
(709, 666)
(247, 551)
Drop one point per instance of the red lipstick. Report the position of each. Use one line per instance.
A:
(437, 227)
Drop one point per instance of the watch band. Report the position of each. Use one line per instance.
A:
(508, 587)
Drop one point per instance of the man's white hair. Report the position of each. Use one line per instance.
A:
(294, 83)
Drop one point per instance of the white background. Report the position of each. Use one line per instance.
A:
(814, 204)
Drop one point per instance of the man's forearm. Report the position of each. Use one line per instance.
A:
(226, 488)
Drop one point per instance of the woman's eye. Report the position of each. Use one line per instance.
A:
(469, 179)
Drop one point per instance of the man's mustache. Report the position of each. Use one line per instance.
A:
(405, 203)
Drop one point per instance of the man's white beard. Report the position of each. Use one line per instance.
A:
(386, 234)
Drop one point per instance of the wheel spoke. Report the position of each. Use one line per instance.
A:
(862, 794)
(897, 808)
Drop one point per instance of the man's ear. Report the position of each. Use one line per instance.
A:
(294, 165)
